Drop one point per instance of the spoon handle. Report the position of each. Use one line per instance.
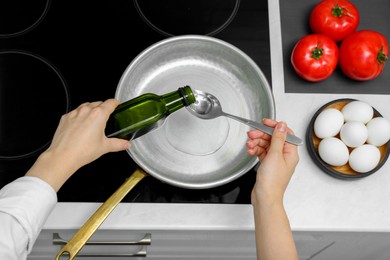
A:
(266, 129)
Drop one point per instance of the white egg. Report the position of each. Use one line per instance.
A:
(354, 134)
(378, 131)
(364, 158)
(333, 151)
(357, 111)
(328, 123)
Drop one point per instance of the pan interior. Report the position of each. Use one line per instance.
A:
(187, 151)
(211, 134)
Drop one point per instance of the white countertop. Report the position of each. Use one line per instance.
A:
(313, 200)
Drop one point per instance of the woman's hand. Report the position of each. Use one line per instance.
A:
(278, 160)
(78, 140)
(80, 136)
(274, 239)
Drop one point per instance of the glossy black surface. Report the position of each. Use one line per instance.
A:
(176, 17)
(90, 44)
(33, 96)
(20, 16)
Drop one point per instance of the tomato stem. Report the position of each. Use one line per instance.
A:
(317, 52)
(339, 11)
(382, 58)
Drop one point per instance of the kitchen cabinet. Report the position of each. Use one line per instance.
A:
(181, 231)
(165, 244)
(178, 231)
(197, 244)
(354, 246)
(310, 244)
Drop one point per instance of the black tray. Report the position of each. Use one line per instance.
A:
(295, 25)
(342, 172)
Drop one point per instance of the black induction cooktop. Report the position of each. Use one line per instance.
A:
(55, 55)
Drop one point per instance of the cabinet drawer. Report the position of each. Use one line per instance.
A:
(164, 244)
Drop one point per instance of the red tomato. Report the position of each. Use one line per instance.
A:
(334, 18)
(363, 55)
(315, 57)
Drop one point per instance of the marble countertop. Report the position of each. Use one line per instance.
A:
(313, 200)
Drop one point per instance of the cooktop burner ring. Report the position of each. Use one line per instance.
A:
(165, 32)
(13, 100)
(14, 15)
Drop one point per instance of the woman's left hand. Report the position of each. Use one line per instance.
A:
(78, 140)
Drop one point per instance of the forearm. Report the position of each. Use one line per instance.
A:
(53, 169)
(274, 239)
(25, 205)
(78, 140)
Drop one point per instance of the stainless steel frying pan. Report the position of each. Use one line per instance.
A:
(187, 151)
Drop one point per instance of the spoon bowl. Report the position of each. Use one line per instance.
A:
(207, 106)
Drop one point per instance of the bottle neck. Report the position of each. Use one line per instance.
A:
(178, 99)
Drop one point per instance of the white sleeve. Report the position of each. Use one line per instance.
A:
(25, 205)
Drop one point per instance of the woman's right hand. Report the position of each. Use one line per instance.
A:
(278, 160)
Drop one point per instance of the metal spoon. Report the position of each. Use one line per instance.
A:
(208, 106)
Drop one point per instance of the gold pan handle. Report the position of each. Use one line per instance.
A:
(79, 239)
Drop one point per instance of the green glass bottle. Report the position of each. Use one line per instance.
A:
(142, 114)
